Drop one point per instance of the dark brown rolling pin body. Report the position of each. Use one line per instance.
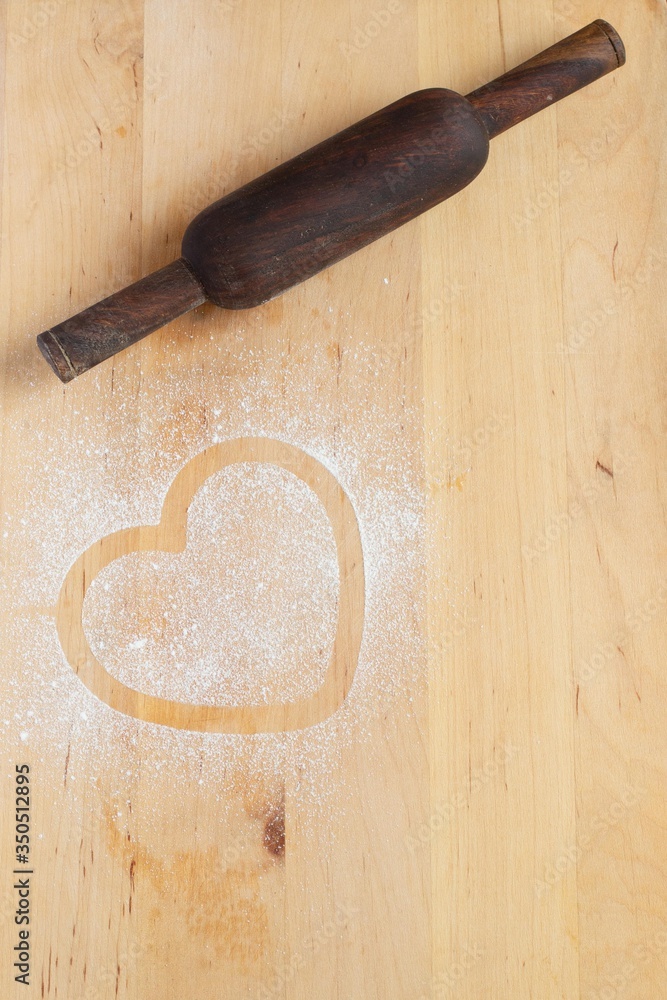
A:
(331, 200)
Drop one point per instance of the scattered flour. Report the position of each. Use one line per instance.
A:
(211, 625)
(246, 615)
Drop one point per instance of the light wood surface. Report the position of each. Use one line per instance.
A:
(473, 802)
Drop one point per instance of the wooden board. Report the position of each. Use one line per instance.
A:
(333, 632)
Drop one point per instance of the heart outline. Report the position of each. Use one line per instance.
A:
(170, 535)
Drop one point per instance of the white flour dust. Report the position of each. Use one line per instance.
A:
(247, 613)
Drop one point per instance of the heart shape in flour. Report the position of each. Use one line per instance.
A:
(170, 536)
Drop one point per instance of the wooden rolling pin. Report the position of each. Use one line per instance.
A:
(331, 200)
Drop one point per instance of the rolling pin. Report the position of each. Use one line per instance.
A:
(330, 201)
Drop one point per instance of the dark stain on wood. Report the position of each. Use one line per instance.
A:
(213, 894)
(274, 831)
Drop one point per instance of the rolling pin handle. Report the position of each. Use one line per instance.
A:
(120, 320)
(548, 77)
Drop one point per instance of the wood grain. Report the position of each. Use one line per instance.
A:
(495, 828)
